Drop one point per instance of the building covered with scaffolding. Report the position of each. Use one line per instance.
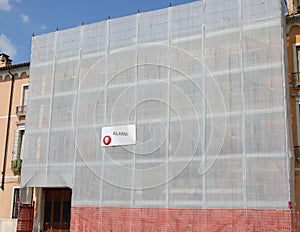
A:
(162, 121)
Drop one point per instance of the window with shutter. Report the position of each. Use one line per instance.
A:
(18, 144)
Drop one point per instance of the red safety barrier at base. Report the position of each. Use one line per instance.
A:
(185, 219)
(25, 218)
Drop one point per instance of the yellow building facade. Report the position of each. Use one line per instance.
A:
(14, 90)
(293, 57)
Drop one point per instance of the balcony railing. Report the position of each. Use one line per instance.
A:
(21, 110)
(297, 153)
(296, 79)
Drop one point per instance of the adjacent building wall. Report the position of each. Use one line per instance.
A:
(12, 181)
(293, 39)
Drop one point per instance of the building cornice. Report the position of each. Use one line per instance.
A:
(13, 66)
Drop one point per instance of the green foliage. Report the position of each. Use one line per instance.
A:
(16, 166)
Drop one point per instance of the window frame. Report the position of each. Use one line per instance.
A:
(13, 203)
(17, 148)
(24, 86)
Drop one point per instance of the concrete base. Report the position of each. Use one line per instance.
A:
(8, 225)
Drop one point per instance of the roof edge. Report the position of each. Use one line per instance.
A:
(15, 66)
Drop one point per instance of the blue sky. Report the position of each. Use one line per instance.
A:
(20, 18)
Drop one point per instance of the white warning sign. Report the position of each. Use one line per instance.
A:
(118, 135)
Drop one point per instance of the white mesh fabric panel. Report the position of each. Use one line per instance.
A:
(204, 84)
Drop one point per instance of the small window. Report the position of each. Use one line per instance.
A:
(18, 144)
(24, 95)
(16, 203)
(298, 118)
(297, 56)
(296, 73)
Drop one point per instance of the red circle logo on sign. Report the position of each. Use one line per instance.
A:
(107, 140)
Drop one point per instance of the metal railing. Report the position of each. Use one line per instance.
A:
(296, 79)
(297, 153)
(21, 110)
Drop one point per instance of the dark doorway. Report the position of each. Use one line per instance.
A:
(57, 209)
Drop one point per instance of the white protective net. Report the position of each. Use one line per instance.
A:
(203, 82)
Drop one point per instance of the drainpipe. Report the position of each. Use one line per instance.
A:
(7, 129)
